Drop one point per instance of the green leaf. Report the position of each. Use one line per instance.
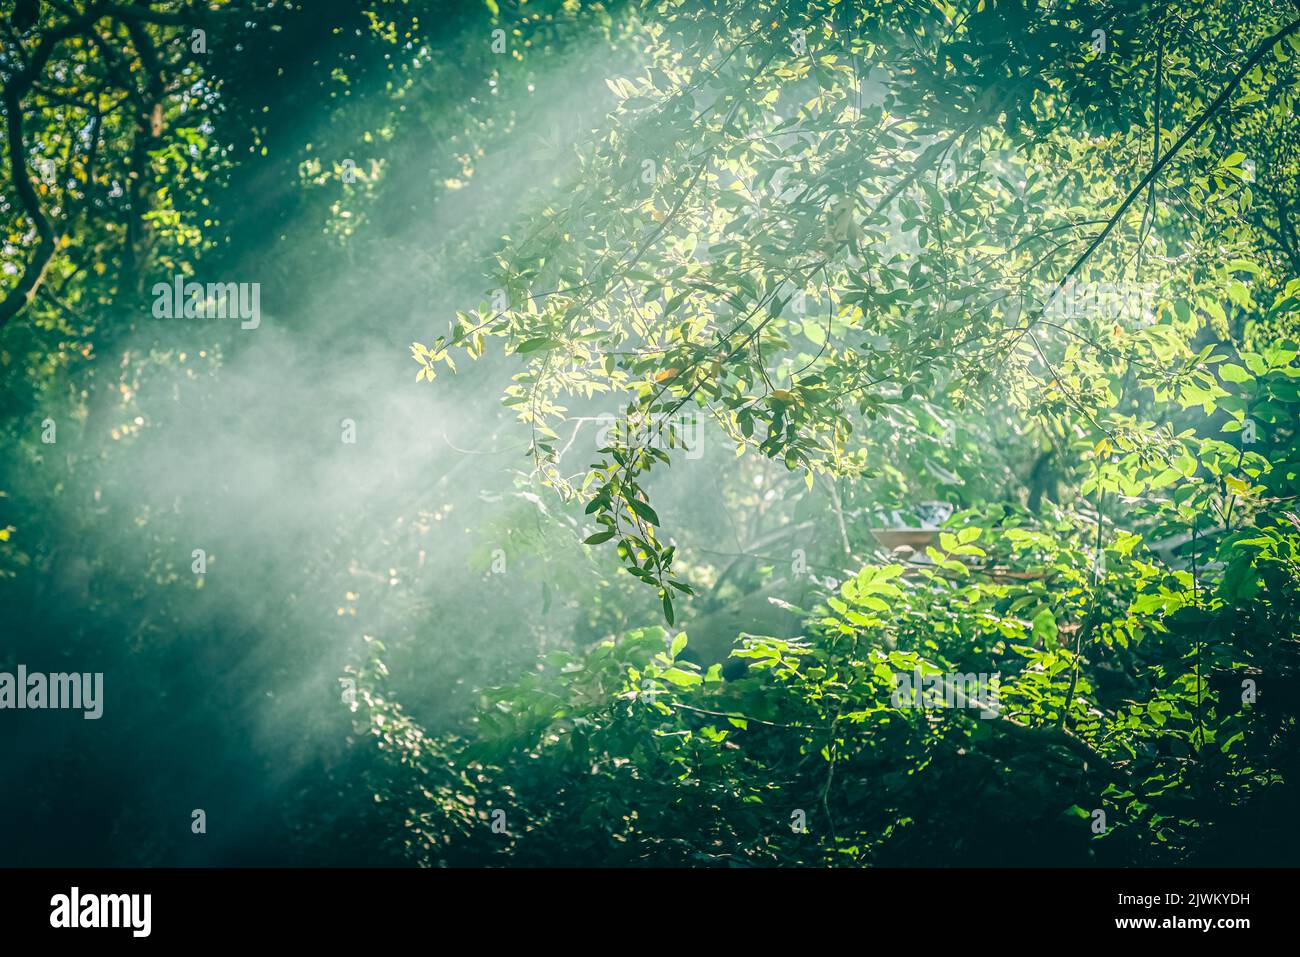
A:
(643, 511)
(1230, 372)
(1044, 628)
(541, 344)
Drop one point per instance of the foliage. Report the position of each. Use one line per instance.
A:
(995, 302)
(859, 224)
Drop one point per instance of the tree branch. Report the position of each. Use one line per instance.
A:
(1260, 52)
(21, 294)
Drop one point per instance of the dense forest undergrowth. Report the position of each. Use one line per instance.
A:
(661, 433)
